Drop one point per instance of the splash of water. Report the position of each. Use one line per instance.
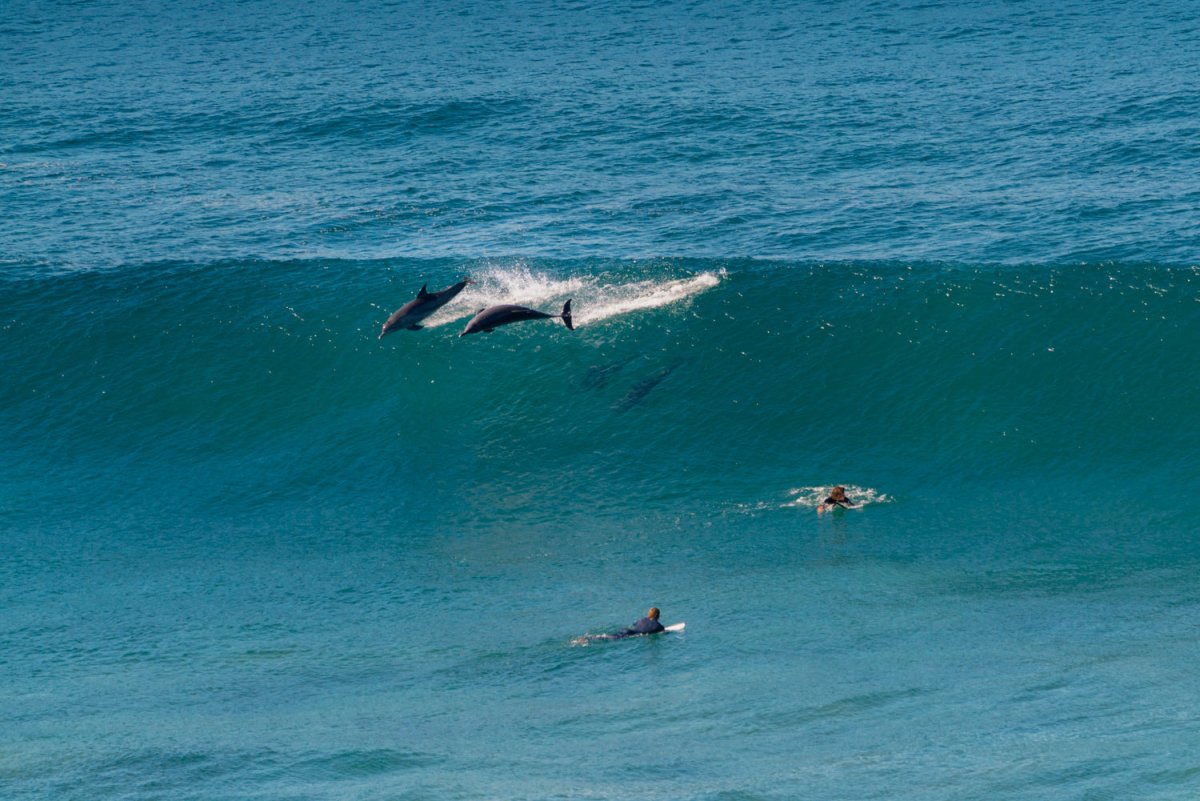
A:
(593, 299)
(811, 497)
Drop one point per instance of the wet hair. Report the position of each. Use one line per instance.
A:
(653, 613)
(838, 493)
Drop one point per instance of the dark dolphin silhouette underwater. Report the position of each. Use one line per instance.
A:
(491, 318)
(642, 388)
(598, 376)
(410, 315)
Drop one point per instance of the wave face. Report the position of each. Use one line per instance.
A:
(308, 560)
(727, 382)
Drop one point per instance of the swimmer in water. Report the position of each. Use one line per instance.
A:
(837, 497)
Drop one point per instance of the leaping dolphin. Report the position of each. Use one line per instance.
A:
(491, 318)
(424, 304)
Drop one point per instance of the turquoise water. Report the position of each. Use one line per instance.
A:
(942, 254)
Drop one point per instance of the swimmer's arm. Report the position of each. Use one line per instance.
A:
(821, 507)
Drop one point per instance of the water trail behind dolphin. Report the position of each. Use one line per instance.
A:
(615, 299)
(596, 297)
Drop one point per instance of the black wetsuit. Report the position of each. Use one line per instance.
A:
(831, 501)
(643, 626)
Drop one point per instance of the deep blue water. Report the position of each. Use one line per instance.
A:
(944, 254)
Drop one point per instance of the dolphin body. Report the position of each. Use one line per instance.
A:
(424, 304)
(599, 375)
(642, 388)
(491, 318)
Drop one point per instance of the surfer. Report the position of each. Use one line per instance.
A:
(837, 497)
(646, 625)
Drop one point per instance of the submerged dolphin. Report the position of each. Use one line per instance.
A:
(424, 304)
(493, 317)
(642, 388)
(599, 375)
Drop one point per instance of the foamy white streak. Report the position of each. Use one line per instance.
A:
(624, 298)
(591, 301)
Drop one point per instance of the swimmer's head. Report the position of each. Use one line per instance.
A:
(653, 613)
(838, 493)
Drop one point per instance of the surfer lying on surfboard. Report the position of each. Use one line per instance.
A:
(837, 497)
(646, 625)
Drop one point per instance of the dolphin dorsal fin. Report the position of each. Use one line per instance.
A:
(424, 291)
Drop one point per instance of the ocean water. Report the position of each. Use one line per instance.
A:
(945, 254)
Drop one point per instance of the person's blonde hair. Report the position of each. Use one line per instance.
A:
(653, 613)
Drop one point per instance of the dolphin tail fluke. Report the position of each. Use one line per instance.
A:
(566, 316)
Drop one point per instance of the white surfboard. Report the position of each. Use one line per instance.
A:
(589, 638)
